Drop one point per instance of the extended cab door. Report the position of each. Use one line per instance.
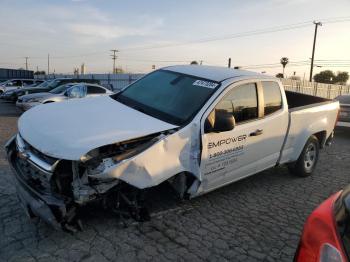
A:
(230, 155)
(274, 124)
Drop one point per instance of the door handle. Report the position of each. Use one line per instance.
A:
(257, 132)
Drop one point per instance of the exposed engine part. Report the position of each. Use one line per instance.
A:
(120, 151)
(130, 202)
(182, 183)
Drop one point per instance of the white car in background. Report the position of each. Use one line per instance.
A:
(344, 113)
(62, 93)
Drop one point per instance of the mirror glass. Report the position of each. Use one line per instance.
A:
(219, 121)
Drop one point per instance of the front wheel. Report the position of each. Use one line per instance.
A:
(307, 160)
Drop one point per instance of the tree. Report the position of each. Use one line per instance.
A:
(341, 78)
(284, 61)
(279, 75)
(326, 77)
(194, 63)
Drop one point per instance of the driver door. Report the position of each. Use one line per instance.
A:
(230, 155)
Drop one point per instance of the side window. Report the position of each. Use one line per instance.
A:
(77, 91)
(95, 90)
(272, 97)
(16, 83)
(241, 102)
(27, 82)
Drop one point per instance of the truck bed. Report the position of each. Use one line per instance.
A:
(298, 101)
(308, 115)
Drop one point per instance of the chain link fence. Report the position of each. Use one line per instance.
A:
(116, 82)
(329, 91)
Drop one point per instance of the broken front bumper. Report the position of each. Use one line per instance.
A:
(33, 186)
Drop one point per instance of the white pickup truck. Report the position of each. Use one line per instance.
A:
(197, 128)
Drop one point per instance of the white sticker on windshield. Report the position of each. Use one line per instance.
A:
(205, 84)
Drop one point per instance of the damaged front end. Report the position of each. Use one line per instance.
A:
(55, 189)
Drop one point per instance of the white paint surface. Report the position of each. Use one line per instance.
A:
(70, 129)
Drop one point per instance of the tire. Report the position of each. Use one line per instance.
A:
(308, 158)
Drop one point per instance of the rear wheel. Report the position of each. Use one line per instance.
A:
(307, 160)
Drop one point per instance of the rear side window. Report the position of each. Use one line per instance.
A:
(16, 83)
(272, 97)
(241, 102)
(27, 82)
(95, 90)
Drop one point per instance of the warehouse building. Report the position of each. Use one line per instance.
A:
(15, 73)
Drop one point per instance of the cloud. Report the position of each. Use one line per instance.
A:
(109, 31)
(95, 30)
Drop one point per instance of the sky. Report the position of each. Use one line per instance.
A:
(168, 32)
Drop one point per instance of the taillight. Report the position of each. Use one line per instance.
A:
(320, 240)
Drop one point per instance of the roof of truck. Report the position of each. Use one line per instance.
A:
(215, 73)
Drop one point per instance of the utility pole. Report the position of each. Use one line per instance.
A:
(114, 57)
(48, 64)
(26, 62)
(229, 62)
(313, 49)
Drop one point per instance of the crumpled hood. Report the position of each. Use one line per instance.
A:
(35, 95)
(70, 129)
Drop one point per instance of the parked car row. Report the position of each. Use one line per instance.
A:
(18, 83)
(57, 90)
(14, 94)
(61, 93)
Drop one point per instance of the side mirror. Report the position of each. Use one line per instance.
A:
(224, 121)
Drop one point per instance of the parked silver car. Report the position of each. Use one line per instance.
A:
(61, 93)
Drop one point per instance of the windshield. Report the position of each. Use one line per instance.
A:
(44, 84)
(54, 83)
(343, 99)
(169, 96)
(61, 89)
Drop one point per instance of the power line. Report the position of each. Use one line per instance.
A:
(114, 57)
(213, 38)
(242, 34)
(232, 36)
